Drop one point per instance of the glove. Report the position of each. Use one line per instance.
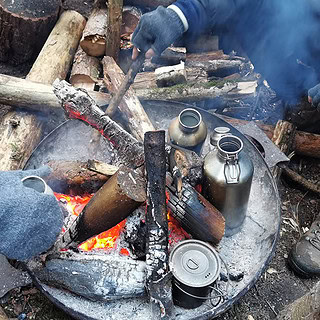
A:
(30, 220)
(157, 30)
(314, 96)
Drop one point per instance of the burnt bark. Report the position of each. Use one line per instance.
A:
(157, 257)
(79, 105)
(76, 177)
(24, 27)
(114, 201)
(195, 214)
(97, 277)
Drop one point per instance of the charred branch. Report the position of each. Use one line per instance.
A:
(195, 214)
(158, 275)
(79, 105)
(97, 277)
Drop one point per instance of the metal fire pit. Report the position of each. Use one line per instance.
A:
(246, 253)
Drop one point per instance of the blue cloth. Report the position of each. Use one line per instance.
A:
(280, 37)
(30, 221)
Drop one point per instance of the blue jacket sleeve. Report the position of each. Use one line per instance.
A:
(205, 14)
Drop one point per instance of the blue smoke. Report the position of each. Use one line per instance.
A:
(282, 39)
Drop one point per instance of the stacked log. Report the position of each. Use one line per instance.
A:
(21, 132)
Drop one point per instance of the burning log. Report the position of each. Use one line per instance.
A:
(25, 27)
(195, 214)
(79, 105)
(130, 105)
(115, 200)
(93, 41)
(98, 277)
(85, 70)
(22, 132)
(158, 275)
(76, 177)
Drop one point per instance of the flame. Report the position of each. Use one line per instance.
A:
(105, 240)
(108, 239)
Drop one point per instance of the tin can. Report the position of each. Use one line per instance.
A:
(188, 130)
(195, 266)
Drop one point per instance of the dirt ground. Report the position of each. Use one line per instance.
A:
(272, 292)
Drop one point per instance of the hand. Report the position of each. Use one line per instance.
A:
(156, 31)
(314, 96)
(30, 220)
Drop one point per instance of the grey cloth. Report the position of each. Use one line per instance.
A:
(157, 29)
(314, 93)
(30, 221)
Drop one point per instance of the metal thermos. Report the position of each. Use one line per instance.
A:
(228, 175)
(188, 130)
(218, 132)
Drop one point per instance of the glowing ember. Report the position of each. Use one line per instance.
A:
(105, 240)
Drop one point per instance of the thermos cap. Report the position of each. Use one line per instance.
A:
(195, 263)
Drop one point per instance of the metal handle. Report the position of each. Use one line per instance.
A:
(232, 170)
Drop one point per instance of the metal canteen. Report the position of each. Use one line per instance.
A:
(228, 173)
(188, 130)
(218, 132)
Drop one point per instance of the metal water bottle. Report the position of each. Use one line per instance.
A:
(188, 130)
(218, 132)
(227, 183)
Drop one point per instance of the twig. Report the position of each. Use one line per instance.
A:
(300, 180)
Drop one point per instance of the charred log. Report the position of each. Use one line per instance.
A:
(115, 200)
(195, 214)
(98, 277)
(24, 27)
(79, 105)
(157, 257)
(76, 177)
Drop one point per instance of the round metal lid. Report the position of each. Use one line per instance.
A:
(195, 263)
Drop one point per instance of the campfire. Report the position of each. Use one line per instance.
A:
(128, 215)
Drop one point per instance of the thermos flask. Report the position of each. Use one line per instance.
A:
(188, 130)
(228, 172)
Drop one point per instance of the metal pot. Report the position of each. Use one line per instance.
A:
(195, 266)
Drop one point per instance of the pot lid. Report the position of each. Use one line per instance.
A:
(194, 263)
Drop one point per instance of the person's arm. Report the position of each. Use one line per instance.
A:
(158, 29)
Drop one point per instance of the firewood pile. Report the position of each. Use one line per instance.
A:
(80, 66)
